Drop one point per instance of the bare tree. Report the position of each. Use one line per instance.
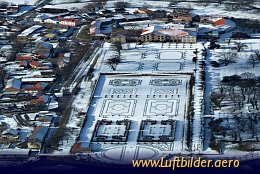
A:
(253, 59)
(112, 62)
(16, 48)
(118, 47)
(257, 54)
(216, 98)
(100, 3)
(239, 4)
(228, 57)
(247, 76)
(239, 46)
(122, 4)
(205, 3)
(92, 7)
(3, 4)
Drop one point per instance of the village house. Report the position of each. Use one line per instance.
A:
(37, 136)
(52, 20)
(70, 22)
(157, 14)
(27, 32)
(102, 27)
(224, 25)
(120, 10)
(66, 21)
(44, 47)
(24, 64)
(49, 9)
(136, 17)
(35, 64)
(152, 13)
(13, 85)
(125, 35)
(143, 11)
(41, 18)
(43, 99)
(183, 15)
(16, 95)
(11, 133)
(118, 38)
(24, 56)
(20, 25)
(40, 86)
(219, 26)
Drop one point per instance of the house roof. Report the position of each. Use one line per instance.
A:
(144, 11)
(50, 35)
(30, 30)
(13, 131)
(70, 19)
(44, 55)
(135, 16)
(14, 83)
(67, 55)
(42, 16)
(34, 63)
(223, 22)
(44, 98)
(23, 63)
(41, 85)
(37, 79)
(46, 45)
(220, 22)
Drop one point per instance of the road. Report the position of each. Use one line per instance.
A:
(79, 71)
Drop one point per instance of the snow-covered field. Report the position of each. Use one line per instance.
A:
(154, 57)
(69, 6)
(216, 10)
(67, 1)
(22, 2)
(241, 65)
(234, 115)
(159, 95)
(140, 3)
(137, 98)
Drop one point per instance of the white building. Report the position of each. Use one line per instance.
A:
(70, 22)
(166, 33)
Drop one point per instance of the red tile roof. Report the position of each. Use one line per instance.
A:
(34, 63)
(220, 22)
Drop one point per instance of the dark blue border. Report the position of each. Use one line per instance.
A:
(62, 167)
